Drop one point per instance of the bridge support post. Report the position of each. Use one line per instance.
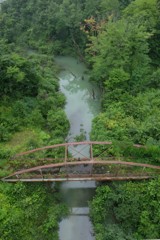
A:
(66, 153)
(91, 152)
(41, 173)
(17, 176)
(66, 158)
(91, 158)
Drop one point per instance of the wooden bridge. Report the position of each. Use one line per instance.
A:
(77, 161)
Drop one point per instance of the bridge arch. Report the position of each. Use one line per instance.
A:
(92, 167)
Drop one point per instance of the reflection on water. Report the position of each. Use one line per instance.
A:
(82, 105)
(77, 197)
(77, 226)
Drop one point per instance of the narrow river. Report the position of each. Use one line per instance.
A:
(82, 105)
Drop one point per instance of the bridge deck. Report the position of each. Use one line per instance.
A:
(78, 178)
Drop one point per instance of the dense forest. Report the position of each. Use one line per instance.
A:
(119, 42)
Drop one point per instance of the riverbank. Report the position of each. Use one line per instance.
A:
(27, 115)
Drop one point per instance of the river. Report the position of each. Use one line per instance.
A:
(82, 105)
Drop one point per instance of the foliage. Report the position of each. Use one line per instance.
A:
(121, 58)
(131, 120)
(29, 90)
(123, 51)
(38, 23)
(29, 211)
(18, 77)
(134, 208)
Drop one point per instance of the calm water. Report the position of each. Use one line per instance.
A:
(82, 105)
(77, 226)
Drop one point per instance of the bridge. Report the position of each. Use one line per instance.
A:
(77, 161)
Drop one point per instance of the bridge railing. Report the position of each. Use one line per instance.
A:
(65, 152)
(87, 169)
(89, 158)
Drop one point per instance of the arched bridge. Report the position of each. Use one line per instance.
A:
(77, 161)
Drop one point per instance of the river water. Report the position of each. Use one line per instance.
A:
(82, 105)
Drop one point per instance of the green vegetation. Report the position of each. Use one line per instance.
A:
(124, 55)
(127, 211)
(30, 95)
(31, 115)
(122, 64)
(119, 40)
(29, 211)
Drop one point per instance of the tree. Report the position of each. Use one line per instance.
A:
(134, 208)
(29, 212)
(121, 46)
(18, 77)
